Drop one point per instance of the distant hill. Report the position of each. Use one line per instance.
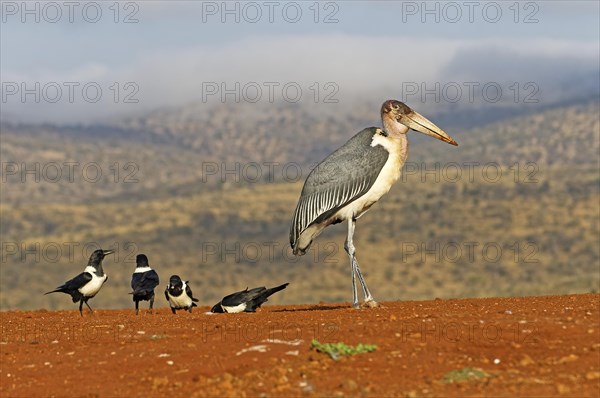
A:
(168, 152)
(181, 186)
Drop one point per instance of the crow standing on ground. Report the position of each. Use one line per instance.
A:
(179, 295)
(246, 300)
(143, 282)
(87, 284)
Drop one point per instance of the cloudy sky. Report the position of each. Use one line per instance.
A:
(86, 61)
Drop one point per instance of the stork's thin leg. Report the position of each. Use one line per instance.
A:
(369, 301)
(368, 296)
(91, 310)
(151, 303)
(349, 247)
(137, 307)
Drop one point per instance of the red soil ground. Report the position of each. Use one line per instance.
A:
(530, 346)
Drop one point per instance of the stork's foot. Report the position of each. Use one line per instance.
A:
(370, 304)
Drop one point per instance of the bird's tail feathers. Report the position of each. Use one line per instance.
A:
(141, 292)
(276, 289)
(59, 289)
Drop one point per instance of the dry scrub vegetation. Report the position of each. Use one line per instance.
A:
(534, 230)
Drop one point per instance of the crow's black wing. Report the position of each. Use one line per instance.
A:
(78, 282)
(135, 280)
(188, 291)
(72, 286)
(243, 296)
(145, 283)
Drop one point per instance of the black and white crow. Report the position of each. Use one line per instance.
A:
(143, 282)
(87, 284)
(179, 295)
(246, 300)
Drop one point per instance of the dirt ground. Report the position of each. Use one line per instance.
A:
(527, 346)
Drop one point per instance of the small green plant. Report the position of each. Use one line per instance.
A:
(464, 374)
(337, 350)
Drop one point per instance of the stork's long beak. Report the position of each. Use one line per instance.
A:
(107, 252)
(419, 123)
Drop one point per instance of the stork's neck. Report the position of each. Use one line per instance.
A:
(396, 133)
(403, 138)
(392, 127)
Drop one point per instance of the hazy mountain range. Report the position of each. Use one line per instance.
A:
(185, 185)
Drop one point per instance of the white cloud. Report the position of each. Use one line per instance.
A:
(357, 64)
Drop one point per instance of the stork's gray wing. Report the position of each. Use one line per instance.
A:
(342, 177)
